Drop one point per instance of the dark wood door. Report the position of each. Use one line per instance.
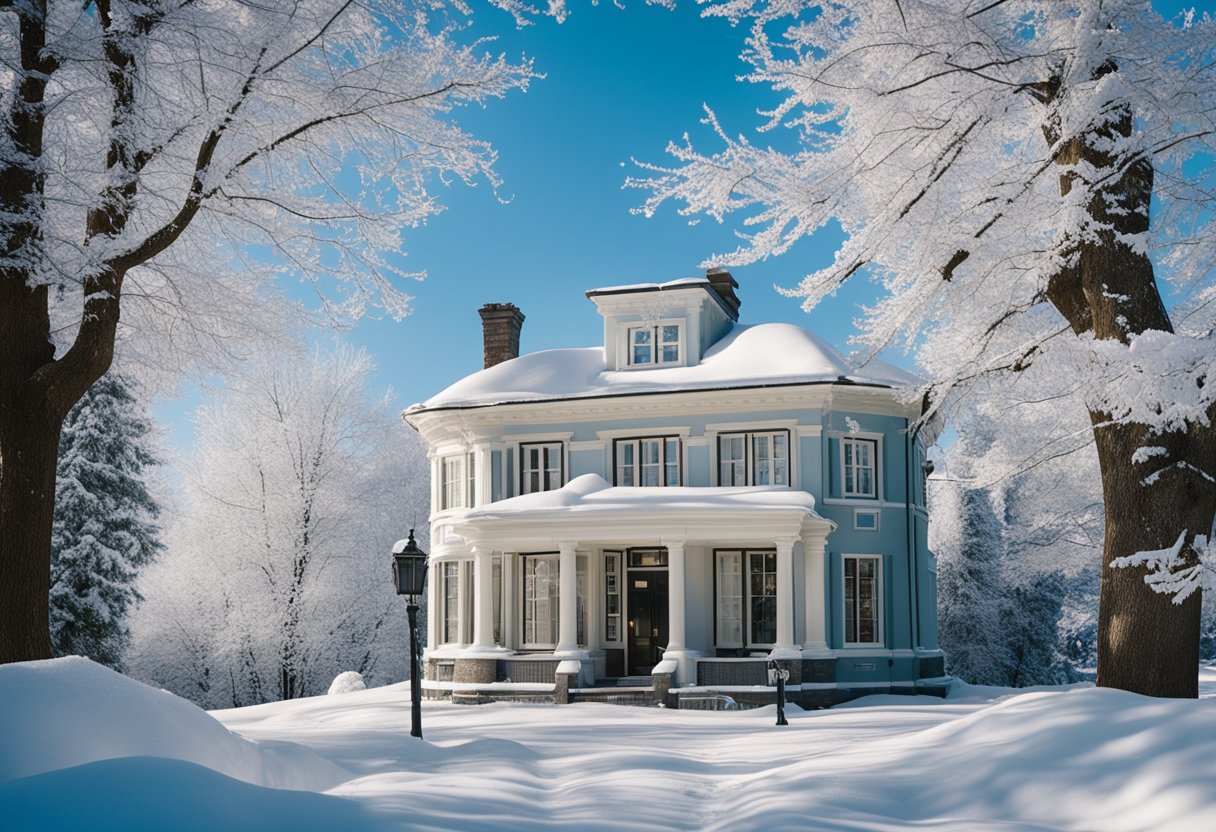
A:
(647, 619)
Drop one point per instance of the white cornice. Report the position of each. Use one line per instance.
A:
(486, 422)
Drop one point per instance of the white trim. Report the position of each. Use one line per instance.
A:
(551, 436)
(803, 431)
(867, 512)
(633, 433)
(586, 445)
(860, 502)
(758, 426)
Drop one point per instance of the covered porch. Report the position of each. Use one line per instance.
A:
(623, 580)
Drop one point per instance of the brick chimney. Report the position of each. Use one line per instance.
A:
(500, 325)
(721, 281)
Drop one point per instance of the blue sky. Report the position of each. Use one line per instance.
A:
(621, 83)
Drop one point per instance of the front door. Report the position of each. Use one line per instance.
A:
(647, 619)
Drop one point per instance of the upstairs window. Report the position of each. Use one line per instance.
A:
(458, 486)
(754, 458)
(654, 345)
(860, 467)
(653, 461)
(540, 467)
(452, 482)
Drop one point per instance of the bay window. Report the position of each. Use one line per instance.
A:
(541, 603)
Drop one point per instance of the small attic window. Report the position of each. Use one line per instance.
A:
(651, 345)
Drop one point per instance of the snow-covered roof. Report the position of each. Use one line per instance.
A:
(591, 493)
(679, 283)
(748, 356)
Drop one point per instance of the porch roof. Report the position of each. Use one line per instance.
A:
(589, 508)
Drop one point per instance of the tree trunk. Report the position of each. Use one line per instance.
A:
(1146, 643)
(29, 449)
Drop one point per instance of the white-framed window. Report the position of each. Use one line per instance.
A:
(457, 482)
(652, 461)
(865, 519)
(451, 471)
(859, 458)
(540, 467)
(541, 602)
(497, 580)
(755, 458)
(466, 620)
(746, 604)
(451, 602)
(862, 600)
(656, 344)
(612, 597)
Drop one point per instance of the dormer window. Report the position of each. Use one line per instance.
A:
(653, 345)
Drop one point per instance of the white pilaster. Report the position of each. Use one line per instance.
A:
(785, 648)
(567, 626)
(813, 546)
(510, 604)
(434, 579)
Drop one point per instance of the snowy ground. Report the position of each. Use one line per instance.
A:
(84, 748)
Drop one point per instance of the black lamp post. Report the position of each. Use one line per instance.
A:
(409, 574)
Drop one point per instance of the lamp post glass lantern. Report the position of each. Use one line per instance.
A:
(409, 576)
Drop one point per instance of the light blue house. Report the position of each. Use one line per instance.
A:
(675, 508)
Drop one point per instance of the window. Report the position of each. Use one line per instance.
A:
(862, 600)
(451, 602)
(540, 600)
(860, 461)
(452, 489)
(754, 458)
(746, 612)
(470, 584)
(648, 462)
(540, 467)
(865, 519)
(497, 578)
(612, 596)
(650, 345)
(458, 485)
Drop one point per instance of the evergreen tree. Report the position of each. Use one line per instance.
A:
(969, 585)
(104, 529)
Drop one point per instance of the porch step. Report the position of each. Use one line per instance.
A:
(634, 682)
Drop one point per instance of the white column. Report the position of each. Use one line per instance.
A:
(434, 579)
(482, 470)
(675, 595)
(483, 599)
(510, 603)
(785, 599)
(813, 546)
(567, 626)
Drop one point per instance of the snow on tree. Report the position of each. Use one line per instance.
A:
(105, 527)
(277, 575)
(165, 160)
(993, 166)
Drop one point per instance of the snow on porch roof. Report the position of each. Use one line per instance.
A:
(592, 493)
(748, 356)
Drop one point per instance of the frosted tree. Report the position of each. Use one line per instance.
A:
(156, 155)
(993, 166)
(105, 527)
(276, 577)
(968, 545)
